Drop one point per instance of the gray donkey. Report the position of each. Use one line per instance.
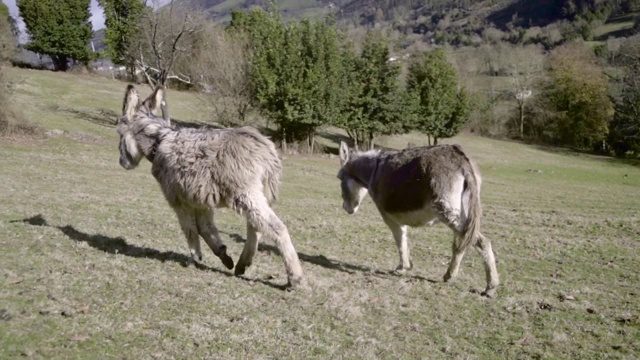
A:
(202, 169)
(417, 187)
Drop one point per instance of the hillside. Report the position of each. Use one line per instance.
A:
(94, 260)
(220, 10)
(456, 22)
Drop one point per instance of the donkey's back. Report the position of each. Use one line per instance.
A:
(412, 179)
(212, 167)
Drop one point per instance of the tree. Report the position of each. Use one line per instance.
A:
(165, 35)
(440, 109)
(374, 102)
(295, 71)
(122, 18)
(7, 34)
(60, 29)
(577, 94)
(624, 136)
(525, 68)
(221, 65)
(321, 79)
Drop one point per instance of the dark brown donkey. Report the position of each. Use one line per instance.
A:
(417, 187)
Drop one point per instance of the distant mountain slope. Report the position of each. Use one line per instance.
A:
(220, 10)
(452, 21)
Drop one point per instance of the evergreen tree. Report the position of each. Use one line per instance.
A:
(374, 104)
(296, 69)
(624, 136)
(439, 108)
(60, 29)
(7, 34)
(121, 19)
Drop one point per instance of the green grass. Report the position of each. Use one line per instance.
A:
(82, 237)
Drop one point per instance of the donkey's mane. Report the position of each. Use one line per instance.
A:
(152, 126)
(363, 165)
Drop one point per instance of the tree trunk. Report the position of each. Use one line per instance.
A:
(284, 141)
(60, 62)
(131, 72)
(522, 119)
(371, 137)
(162, 77)
(311, 141)
(435, 141)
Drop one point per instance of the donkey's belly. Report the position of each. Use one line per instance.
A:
(416, 218)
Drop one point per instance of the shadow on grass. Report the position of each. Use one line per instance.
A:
(118, 245)
(101, 117)
(109, 118)
(326, 262)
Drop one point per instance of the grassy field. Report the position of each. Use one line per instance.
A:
(92, 259)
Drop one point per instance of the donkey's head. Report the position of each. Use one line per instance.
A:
(353, 189)
(132, 109)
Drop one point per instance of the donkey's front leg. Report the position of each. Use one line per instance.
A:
(400, 236)
(209, 233)
(187, 221)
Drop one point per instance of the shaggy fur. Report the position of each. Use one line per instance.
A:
(201, 169)
(416, 187)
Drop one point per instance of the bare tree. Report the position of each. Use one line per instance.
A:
(525, 66)
(166, 34)
(220, 66)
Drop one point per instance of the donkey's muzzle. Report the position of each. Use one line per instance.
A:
(126, 163)
(348, 209)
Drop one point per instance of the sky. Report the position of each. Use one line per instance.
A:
(97, 15)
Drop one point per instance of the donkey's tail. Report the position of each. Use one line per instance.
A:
(272, 173)
(474, 209)
(271, 181)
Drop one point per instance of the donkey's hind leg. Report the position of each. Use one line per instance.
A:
(209, 233)
(250, 248)
(449, 212)
(260, 215)
(187, 221)
(483, 245)
(456, 259)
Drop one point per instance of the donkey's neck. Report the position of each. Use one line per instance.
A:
(364, 167)
(150, 135)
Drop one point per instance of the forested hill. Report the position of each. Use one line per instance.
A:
(457, 22)
(500, 13)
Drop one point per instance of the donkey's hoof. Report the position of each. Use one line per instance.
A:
(240, 269)
(399, 271)
(490, 293)
(227, 261)
(297, 283)
(447, 278)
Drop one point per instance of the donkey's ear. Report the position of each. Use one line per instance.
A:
(131, 102)
(344, 153)
(154, 101)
